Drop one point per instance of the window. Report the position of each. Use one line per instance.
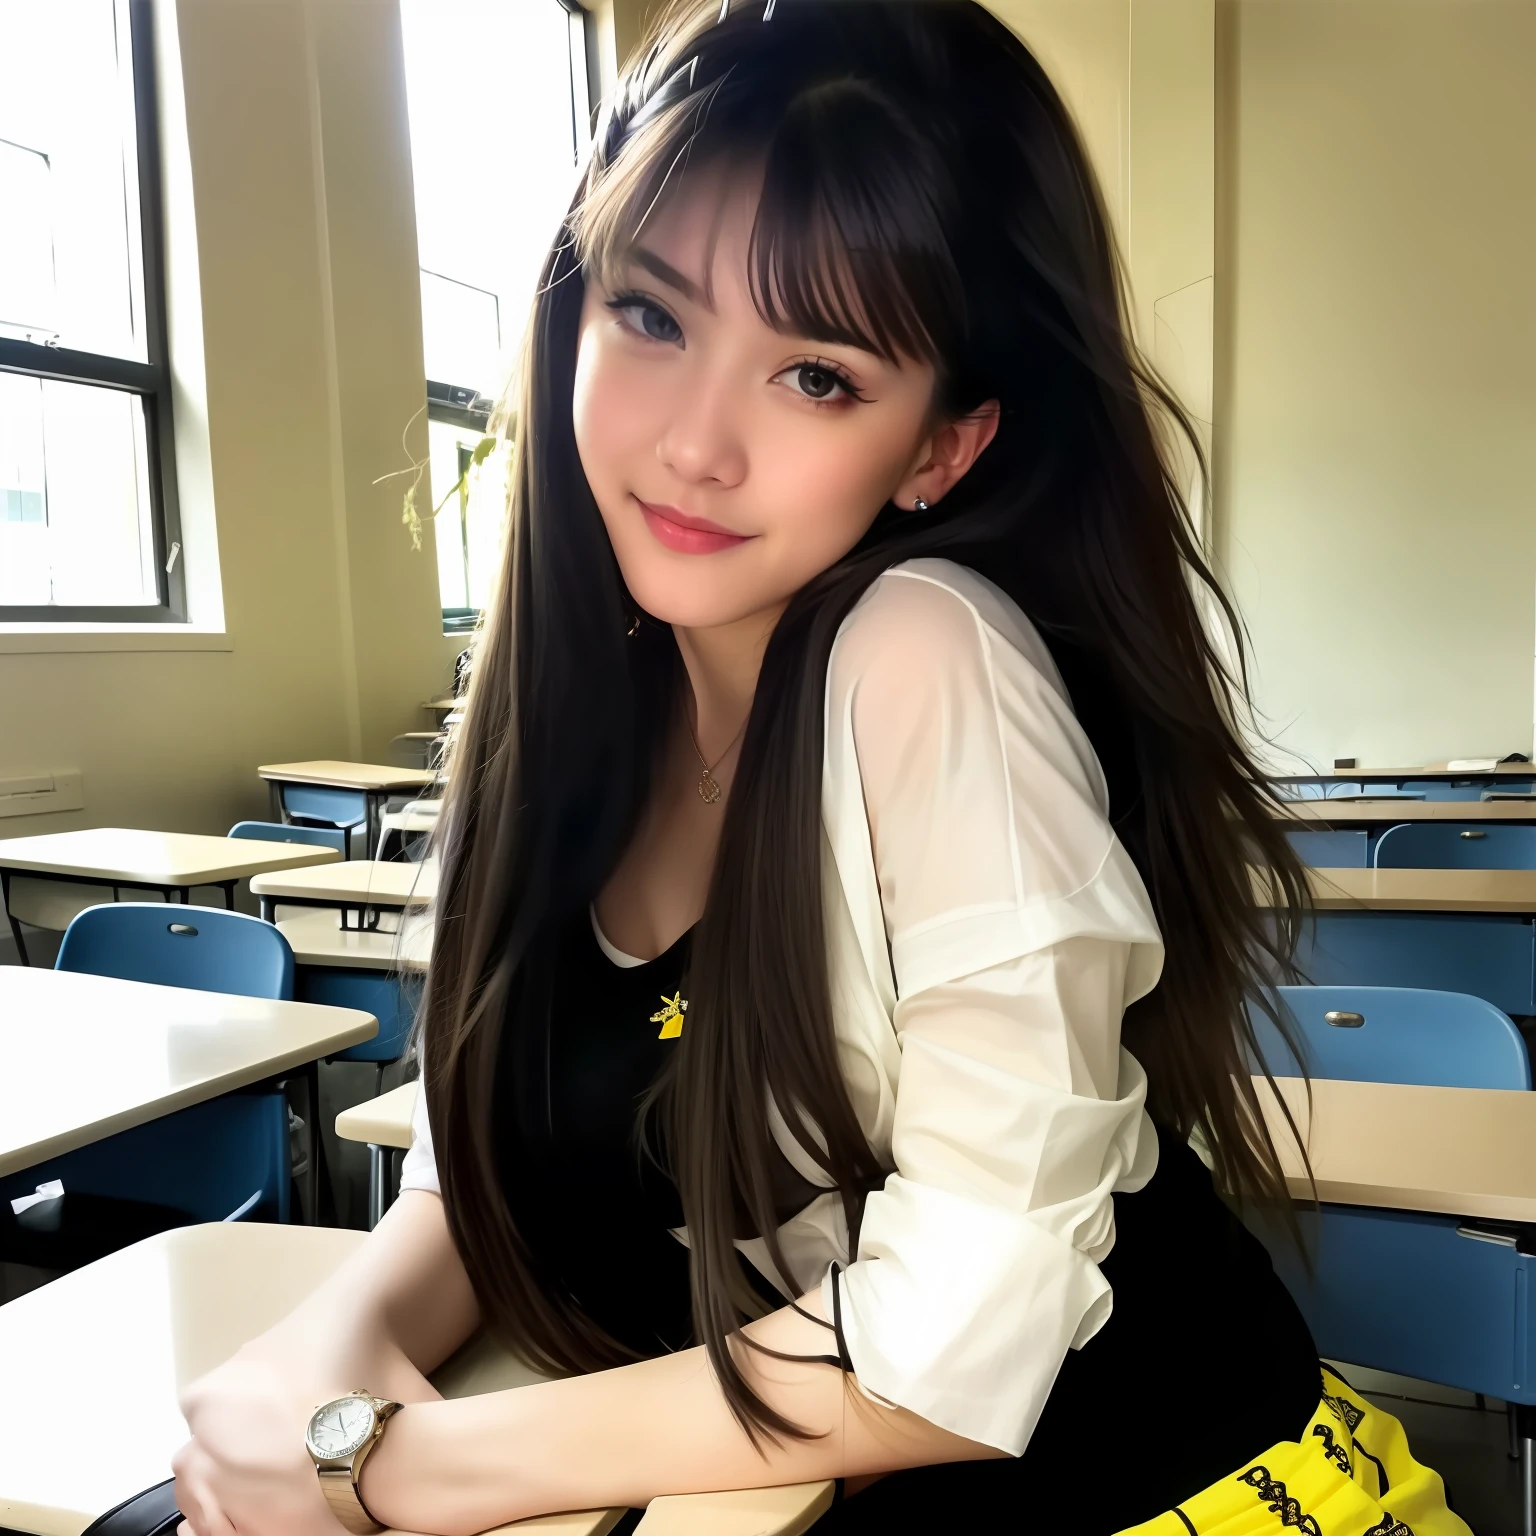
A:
(88, 527)
(500, 109)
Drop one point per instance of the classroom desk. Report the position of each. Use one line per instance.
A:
(1361, 810)
(169, 862)
(358, 885)
(444, 705)
(376, 782)
(384, 1125)
(1511, 892)
(317, 938)
(1432, 771)
(88, 1056)
(142, 1323)
(1460, 1151)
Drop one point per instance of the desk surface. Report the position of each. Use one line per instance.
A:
(1461, 1151)
(1425, 890)
(384, 1121)
(86, 1056)
(142, 1323)
(155, 858)
(1355, 809)
(354, 881)
(317, 938)
(447, 702)
(338, 775)
(1436, 771)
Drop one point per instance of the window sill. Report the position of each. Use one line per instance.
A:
(45, 639)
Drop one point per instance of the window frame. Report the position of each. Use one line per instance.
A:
(150, 380)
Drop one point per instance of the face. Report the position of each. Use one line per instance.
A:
(733, 463)
(339, 1428)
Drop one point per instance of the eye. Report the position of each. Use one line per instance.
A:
(820, 382)
(645, 317)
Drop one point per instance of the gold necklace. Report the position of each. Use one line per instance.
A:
(709, 786)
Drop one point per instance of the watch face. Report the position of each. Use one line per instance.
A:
(338, 1429)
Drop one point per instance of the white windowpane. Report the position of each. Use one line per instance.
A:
(494, 144)
(498, 107)
(75, 524)
(468, 526)
(70, 248)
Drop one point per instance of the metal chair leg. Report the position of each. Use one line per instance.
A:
(378, 1173)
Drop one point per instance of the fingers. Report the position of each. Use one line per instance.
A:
(201, 1515)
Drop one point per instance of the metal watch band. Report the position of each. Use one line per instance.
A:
(341, 1496)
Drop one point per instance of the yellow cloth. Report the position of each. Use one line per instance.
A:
(1350, 1474)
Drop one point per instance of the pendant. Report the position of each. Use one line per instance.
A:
(670, 1016)
(709, 788)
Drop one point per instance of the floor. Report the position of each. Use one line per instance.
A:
(1466, 1445)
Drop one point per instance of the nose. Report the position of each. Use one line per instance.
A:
(702, 442)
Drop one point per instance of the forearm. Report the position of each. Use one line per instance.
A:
(389, 1315)
(623, 1437)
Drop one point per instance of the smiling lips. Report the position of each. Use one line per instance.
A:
(688, 535)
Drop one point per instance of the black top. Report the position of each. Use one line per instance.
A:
(1193, 1290)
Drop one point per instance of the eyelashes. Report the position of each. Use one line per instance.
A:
(655, 324)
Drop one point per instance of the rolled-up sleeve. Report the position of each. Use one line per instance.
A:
(1018, 931)
(418, 1168)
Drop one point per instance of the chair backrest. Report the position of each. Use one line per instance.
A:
(177, 946)
(323, 803)
(1337, 849)
(287, 832)
(1456, 845)
(1395, 1035)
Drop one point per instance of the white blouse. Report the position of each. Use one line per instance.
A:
(986, 931)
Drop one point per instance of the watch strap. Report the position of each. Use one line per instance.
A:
(342, 1498)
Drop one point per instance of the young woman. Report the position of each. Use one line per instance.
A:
(845, 918)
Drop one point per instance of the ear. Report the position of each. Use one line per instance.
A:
(951, 450)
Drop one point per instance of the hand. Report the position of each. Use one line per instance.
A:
(245, 1468)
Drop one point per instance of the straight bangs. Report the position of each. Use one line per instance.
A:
(848, 243)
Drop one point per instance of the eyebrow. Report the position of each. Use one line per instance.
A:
(669, 274)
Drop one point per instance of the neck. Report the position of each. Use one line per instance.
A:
(723, 661)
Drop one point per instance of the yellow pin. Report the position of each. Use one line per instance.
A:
(670, 1017)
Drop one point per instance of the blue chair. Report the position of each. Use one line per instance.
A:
(225, 1159)
(1320, 789)
(1456, 845)
(375, 992)
(174, 946)
(1434, 1297)
(341, 810)
(1330, 849)
(1490, 955)
(291, 832)
(1394, 1035)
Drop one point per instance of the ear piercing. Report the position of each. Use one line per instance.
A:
(919, 505)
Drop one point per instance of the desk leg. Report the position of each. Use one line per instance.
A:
(5, 901)
(268, 908)
(1525, 1427)
(322, 1208)
(275, 798)
(373, 804)
(378, 1176)
(229, 895)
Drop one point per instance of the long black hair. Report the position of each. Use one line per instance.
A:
(925, 195)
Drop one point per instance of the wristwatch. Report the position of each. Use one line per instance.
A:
(339, 1436)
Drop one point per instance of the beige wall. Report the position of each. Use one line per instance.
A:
(297, 333)
(1376, 398)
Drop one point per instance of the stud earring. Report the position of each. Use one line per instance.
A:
(919, 505)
